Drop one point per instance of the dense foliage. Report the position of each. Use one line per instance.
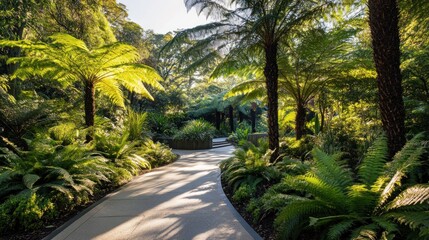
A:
(333, 88)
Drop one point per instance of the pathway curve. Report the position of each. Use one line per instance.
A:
(183, 200)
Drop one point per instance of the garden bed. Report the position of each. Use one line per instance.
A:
(51, 226)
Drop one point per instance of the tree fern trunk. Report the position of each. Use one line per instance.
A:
(300, 121)
(271, 73)
(253, 119)
(217, 119)
(383, 20)
(231, 118)
(89, 109)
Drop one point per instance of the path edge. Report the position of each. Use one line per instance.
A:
(236, 214)
(80, 214)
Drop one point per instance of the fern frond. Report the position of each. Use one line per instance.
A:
(329, 171)
(374, 162)
(338, 230)
(332, 196)
(29, 180)
(414, 220)
(409, 157)
(367, 232)
(295, 216)
(413, 195)
(112, 90)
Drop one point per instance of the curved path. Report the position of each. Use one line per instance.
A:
(183, 200)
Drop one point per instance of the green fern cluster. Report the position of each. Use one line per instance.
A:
(45, 181)
(157, 153)
(249, 166)
(125, 157)
(72, 171)
(329, 203)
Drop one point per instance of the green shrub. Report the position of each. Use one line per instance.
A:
(25, 212)
(250, 167)
(136, 125)
(157, 153)
(65, 133)
(352, 132)
(198, 130)
(244, 193)
(162, 125)
(298, 149)
(124, 155)
(243, 130)
(47, 170)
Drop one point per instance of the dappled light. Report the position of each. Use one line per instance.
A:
(268, 119)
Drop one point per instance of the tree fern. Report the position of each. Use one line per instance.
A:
(68, 60)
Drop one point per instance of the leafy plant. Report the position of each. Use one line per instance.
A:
(25, 212)
(249, 167)
(18, 118)
(68, 60)
(161, 125)
(135, 125)
(157, 153)
(66, 133)
(241, 132)
(125, 156)
(380, 204)
(197, 130)
(72, 171)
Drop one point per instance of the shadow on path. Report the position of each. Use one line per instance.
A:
(183, 200)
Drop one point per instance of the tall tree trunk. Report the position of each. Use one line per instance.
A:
(217, 120)
(89, 109)
(240, 116)
(300, 121)
(253, 119)
(271, 73)
(383, 20)
(231, 117)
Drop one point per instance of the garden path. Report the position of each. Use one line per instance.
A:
(183, 200)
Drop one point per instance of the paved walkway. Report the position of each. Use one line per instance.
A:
(183, 200)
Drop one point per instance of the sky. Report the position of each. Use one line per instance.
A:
(162, 16)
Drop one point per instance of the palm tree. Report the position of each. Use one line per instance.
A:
(383, 21)
(253, 27)
(68, 60)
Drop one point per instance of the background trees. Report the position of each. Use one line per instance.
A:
(259, 26)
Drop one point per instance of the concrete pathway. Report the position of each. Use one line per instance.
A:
(183, 200)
